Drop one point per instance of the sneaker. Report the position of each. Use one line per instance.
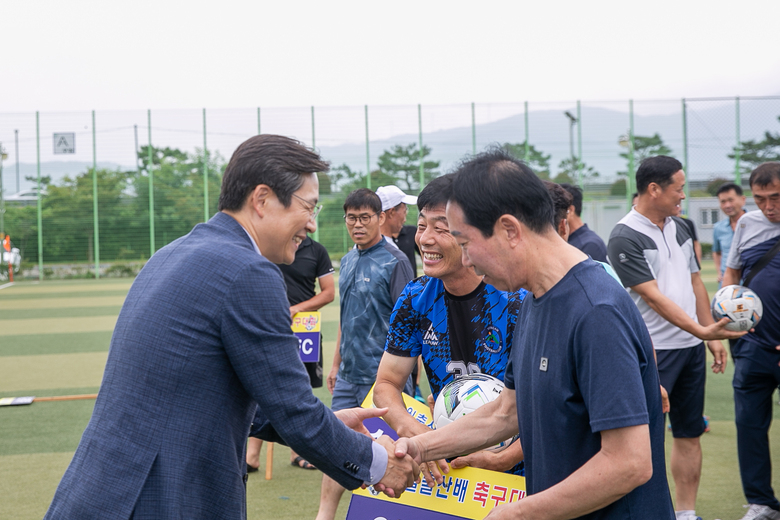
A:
(759, 512)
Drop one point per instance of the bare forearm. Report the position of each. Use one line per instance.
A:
(480, 429)
(620, 466)
(717, 258)
(313, 304)
(388, 396)
(732, 276)
(672, 313)
(702, 302)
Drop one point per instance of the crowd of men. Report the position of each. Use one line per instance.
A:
(515, 285)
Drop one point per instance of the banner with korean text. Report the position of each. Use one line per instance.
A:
(306, 327)
(468, 493)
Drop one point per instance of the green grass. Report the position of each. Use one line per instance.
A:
(37, 441)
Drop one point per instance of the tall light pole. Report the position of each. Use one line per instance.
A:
(572, 121)
(627, 141)
(3, 156)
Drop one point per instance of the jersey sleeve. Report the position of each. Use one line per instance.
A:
(628, 260)
(324, 265)
(734, 260)
(604, 345)
(402, 274)
(403, 336)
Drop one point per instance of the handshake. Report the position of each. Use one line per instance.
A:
(404, 457)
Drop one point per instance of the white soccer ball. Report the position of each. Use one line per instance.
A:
(739, 304)
(464, 395)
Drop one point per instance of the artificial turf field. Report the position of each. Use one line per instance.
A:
(54, 339)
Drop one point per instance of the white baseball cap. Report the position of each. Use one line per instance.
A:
(391, 196)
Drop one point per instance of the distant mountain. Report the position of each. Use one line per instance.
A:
(711, 137)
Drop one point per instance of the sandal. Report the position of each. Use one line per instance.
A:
(306, 464)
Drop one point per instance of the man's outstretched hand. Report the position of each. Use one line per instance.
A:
(401, 471)
(354, 417)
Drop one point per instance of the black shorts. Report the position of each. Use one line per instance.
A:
(315, 370)
(683, 374)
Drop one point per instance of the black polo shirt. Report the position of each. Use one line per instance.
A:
(311, 262)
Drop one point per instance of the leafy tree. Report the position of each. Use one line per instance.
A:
(537, 160)
(714, 184)
(757, 152)
(618, 188)
(567, 171)
(178, 191)
(68, 219)
(402, 164)
(645, 147)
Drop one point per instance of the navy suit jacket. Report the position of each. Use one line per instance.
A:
(204, 334)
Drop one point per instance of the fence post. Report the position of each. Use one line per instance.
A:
(527, 143)
(738, 148)
(473, 131)
(579, 145)
(38, 165)
(419, 131)
(685, 152)
(205, 172)
(631, 174)
(258, 121)
(96, 229)
(313, 146)
(151, 187)
(368, 163)
(16, 155)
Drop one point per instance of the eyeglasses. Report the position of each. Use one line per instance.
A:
(364, 219)
(313, 210)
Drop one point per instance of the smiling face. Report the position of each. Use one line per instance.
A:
(768, 200)
(282, 229)
(667, 200)
(483, 254)
(441, 254)
(730, 203)
(364, 235)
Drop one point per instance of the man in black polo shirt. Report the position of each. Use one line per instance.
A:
(580, 236)
(311, 263)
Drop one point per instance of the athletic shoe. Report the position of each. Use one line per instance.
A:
(759, 512)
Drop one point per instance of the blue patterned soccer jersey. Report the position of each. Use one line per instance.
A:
(477, 337)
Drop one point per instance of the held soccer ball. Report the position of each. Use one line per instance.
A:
(741, 305)
(464, 395)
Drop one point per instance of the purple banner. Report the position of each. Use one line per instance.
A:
(364, 508)
(308, 346)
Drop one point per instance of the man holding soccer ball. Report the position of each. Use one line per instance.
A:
(652, 251)
(458, 323)
(755, 262)
(581, 384)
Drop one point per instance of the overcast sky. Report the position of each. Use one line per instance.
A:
(76, 54)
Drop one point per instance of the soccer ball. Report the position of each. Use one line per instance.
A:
(464, 395)
(741, 305)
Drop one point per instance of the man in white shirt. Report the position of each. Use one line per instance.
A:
(652, 252)
(394, 203)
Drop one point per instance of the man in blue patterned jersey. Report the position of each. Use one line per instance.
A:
(458, 323)
(756, 355)
(371, 277)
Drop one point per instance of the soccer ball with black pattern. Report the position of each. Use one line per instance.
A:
(739, 304)
(464, 395)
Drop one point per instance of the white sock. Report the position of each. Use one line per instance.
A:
(685, 514)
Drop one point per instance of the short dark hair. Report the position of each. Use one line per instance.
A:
(576, 197)
(494, 183)
(728, 186)
(279, 162)
(436, 193)
(561, 198)
(658, 169)
(363, 198)
(765, 174)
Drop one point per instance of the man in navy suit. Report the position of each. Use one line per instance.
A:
(204, 334)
